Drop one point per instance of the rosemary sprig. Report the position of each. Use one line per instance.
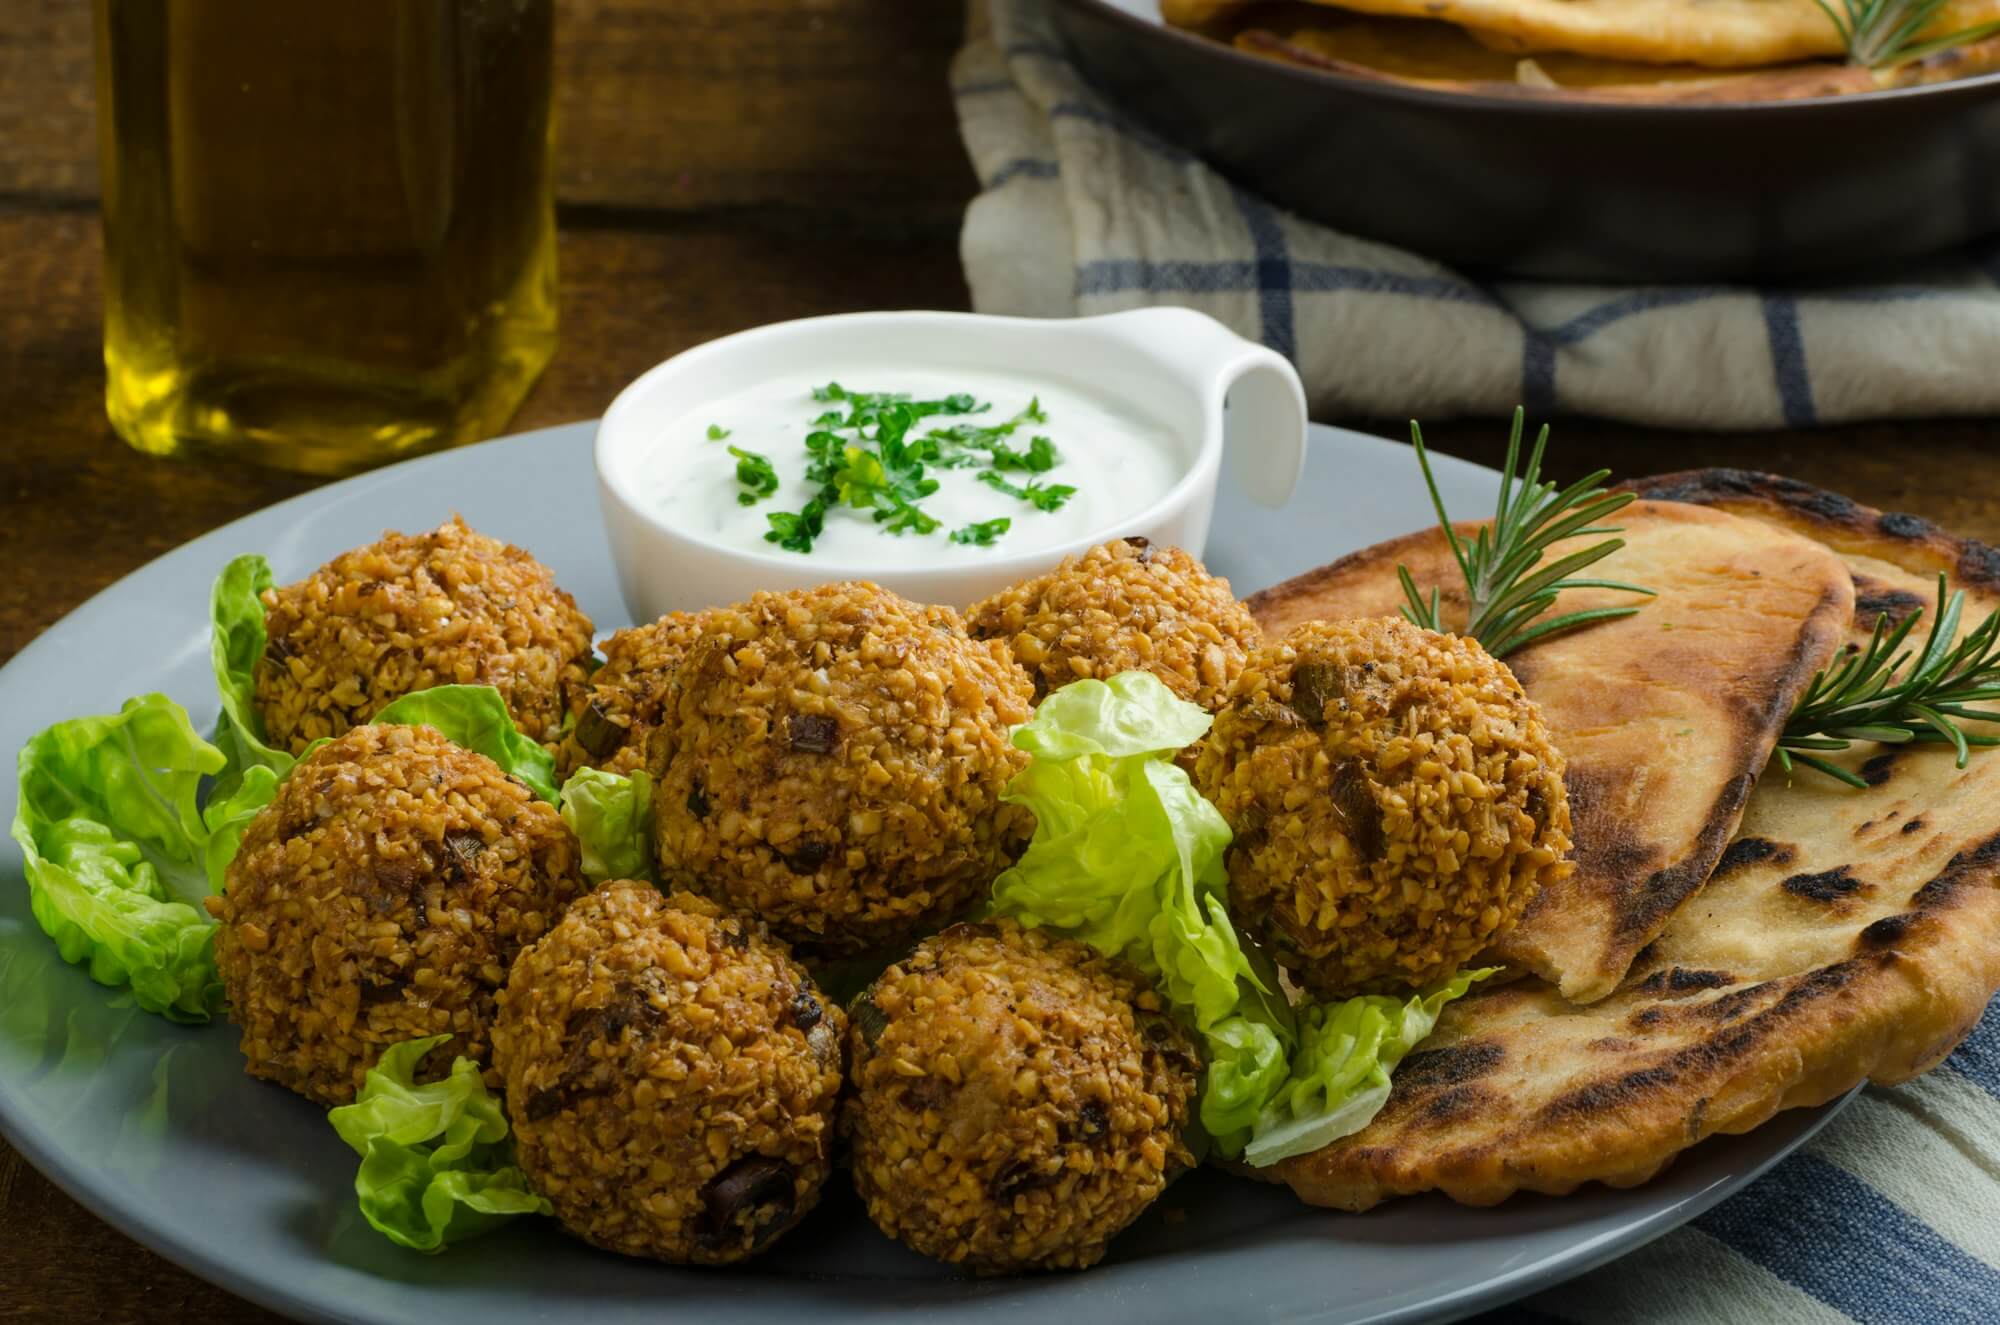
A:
(1868, 696)
(1882, 34)
(1507, 588)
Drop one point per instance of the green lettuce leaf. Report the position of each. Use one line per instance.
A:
(114, 846)
(476, 717)
(612, 818)
(437, 1163)
(1128, 857)
(1340, 1073)
(236, 642)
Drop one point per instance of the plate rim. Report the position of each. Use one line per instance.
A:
(96, 1189)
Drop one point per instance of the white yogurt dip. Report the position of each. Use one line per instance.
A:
(1119, 465)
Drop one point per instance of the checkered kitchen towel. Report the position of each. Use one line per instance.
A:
(1083, 212)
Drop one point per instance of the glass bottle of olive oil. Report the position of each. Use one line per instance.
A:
(329, 233)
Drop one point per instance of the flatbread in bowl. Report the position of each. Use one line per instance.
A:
(1663, 51)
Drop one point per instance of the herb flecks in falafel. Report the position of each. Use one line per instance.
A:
(1124, 605)
(671, 1074)
(1396, 800)
(1018, 1101)
(833, 763)
(409, 612)
(382, 895)
(614, 712)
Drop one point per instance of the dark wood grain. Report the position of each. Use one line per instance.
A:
(724, 163)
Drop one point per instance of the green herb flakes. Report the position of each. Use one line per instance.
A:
(755, 473)
(983, 534)
(866, 452)
(1043, 497)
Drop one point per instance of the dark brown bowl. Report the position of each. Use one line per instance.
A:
(1570, 190)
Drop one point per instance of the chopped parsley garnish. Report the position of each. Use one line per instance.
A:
(795, 531)
(986, 438)
(864, 454)
(1043, 497)
(755, 473)
(889, 484)
(982, 534)
(1039, 458)
(716, 432)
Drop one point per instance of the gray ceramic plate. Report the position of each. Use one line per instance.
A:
(155, 1127)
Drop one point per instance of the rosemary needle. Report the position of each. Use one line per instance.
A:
(1869, 696)
(1507, 588)
(1883, 34)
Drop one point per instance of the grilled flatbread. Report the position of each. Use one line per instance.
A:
(1416, 53)
(1665, 717)
(1721, 34)
(1846, 936)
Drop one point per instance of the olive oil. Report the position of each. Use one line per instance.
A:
(328, 228)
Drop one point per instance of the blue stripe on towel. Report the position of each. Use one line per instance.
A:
(1118, 275)
(1538, 371)
(1324, 277)
(1825, 1231)
(1024, 167)
(1977, 1058)
(1540, 344)
(1583, 325)
(1788, 361)
(1274, 273)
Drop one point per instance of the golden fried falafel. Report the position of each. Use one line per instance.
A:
(832, 764)
(450, 607)
(1019, 1099)
(671, 1075)
(1124, 605)
(1396, 802)
(613, 714)
(381, 896)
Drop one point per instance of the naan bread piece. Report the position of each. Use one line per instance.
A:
(1416, 53)
(1665, 717)
(1847, 936)
(1722, 34)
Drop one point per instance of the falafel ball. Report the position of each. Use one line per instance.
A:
(615, 711)
(380, 896)
(450, 607)
(832, 764)
(1019, 1099)
(671, 1075)
(1396, 802)
(1124, 605)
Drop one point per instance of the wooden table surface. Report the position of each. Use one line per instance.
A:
(724, 163)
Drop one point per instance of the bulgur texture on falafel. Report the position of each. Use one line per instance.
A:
(833, 762)
(381, 896)
(614, 712)
(412, 611)
(1019, 1099)
(671, 1076)
(1124, 605)
(1396, 800)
